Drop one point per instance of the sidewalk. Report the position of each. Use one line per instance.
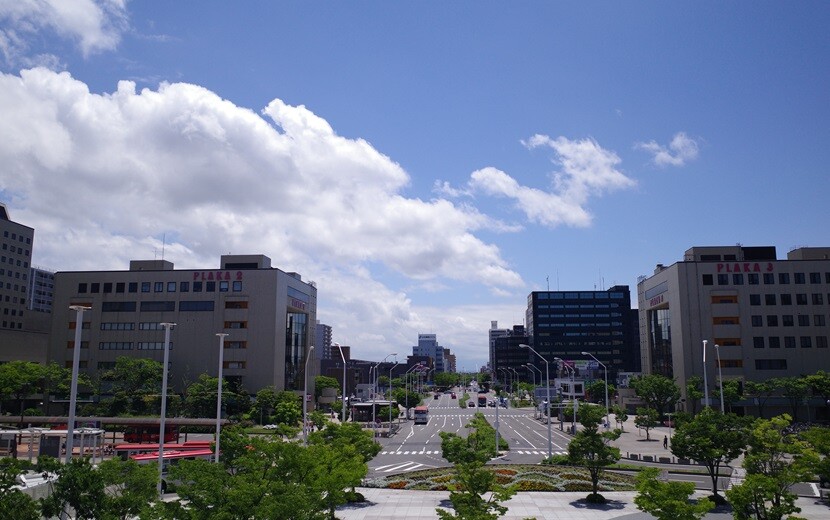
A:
(404, 505)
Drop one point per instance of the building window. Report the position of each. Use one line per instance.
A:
(755, 299)
(82, 363)
(801, 299)
(815, 277)
(171, 286)
(115, 345)
(118, 307)
(197, 286)
(197, 306)
(153, 345)
(818, 299)
(84, 325)
(728, 342)
(106, 365)
(150, 325)
(806, 342)
(723, 279)
(720, 320)
(787, 320)
(774, 342)
(233, 365)
(184, 287)
(772, 320)
(158, 287)
(819, 320)
(738, 279)
(210, 286)
(236, 344)
(803, 320)
(799, 278)
(708, 279)
(236, 324)
(237, 286)
(158, 306)
(71, 344)
(224, 286)
(231, 304)
(757, 320)
(118, 325)
(821, 341)
(753, 278)
(728, 299)
(145, 286)
(108, 288)
(82, 288)
(786, 299)
(784, 278)
(770, 364)
(758, 342)
(789, 341)
(769, 299)
(732, 363)
(119, 287)
(132, 287)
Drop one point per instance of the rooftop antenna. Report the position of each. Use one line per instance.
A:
(163, 243)
(547, 279)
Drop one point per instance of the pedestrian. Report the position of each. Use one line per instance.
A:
(665, 442)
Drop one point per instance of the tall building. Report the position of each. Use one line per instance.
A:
(565, 324)
(428, 347)
(15, 257)
(322, 341)
(768, 317)
(495, 332)
(41, 289)
(267, 313)
(509, 356)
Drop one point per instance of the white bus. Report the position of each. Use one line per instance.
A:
(421, 415)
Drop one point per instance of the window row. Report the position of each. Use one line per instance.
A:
(169, 306)
(128, 345)
(767, 278)
(15, 236)
(789, 342)
(12, 249)
(788, 320)
(12, 261)
(787, 299)
(146, 287)
(12, 325)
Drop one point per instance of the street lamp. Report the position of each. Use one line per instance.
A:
(73, 391)
(516, 388)
(375, 391)
(532, 375)
(343, 416)
(607, 415)
(305, 395)
(167, 328)
(222, 336)
(720, 377)
(572, 372)
(409, 384)
(390, 394)
(547, 373)
(705, 380)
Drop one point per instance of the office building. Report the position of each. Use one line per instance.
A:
(268, 314)
(768, 317)
(564, 324)
(41, 289)
(322, 342)
(493, 333)
(428, 347)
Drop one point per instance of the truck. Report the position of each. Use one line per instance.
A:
(482, 400)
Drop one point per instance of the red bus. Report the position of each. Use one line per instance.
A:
(125, 451)
(137, 433)
(421, 415)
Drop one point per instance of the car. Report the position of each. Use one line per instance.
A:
(471, 404)
(491, 403)
(452, 395)
(436, 396)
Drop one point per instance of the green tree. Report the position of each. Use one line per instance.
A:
(795, 389)
(445, 379)
(731, 393)
(14, 503)
(323, 382)
(694, 392)
(471, 479)
(21, 379)
(819, 383)
(407, 399)
(596, 390)
(288, 413)
(136, 385)
(620, 416)
(774, 462)
(659, 392)
(760, 391)
(647, 418)
(668, 500)
(590, 447)
(200, 396)
(265, 403)
(712, 439)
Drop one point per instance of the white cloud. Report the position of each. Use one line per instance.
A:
(680, 150)
(94, 26)
(587, 170)
(102, 177)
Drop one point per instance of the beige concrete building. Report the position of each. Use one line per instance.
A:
(268, 315)
(767, 316)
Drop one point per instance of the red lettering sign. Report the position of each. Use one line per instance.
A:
(745, 267)
(217, 275)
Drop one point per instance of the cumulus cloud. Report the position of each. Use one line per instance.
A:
(93, 25)
(680, 150)
(586, 170)
(102, 177)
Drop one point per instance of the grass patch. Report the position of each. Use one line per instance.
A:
(525, 477)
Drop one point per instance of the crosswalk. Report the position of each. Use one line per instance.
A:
(433, 452)
(402, 467)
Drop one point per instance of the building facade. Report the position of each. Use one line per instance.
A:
(41, 289)
(267, 314)
(428, 347)
(565, 324)
(768, 317)
(494, 333)
(15, 258)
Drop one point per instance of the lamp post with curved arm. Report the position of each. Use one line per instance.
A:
(305, 395)
(343, 358)
(374, 393)
(607, 416)
(572, 372)
(222, 336)
(547, 373)
(390, 394)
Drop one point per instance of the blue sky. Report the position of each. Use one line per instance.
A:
(427, 164)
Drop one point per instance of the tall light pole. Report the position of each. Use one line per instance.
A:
(532, 375)
(533, 371)
(516, 388)
(305, 395)
(167, 328)
(390, 394)
(222, 336)
(547, 373)
(572, 372)
(720, 377)
(409, 384)
(73, 391)
(705, 380)
(343, 413)
(375, 391)
(607, 416)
